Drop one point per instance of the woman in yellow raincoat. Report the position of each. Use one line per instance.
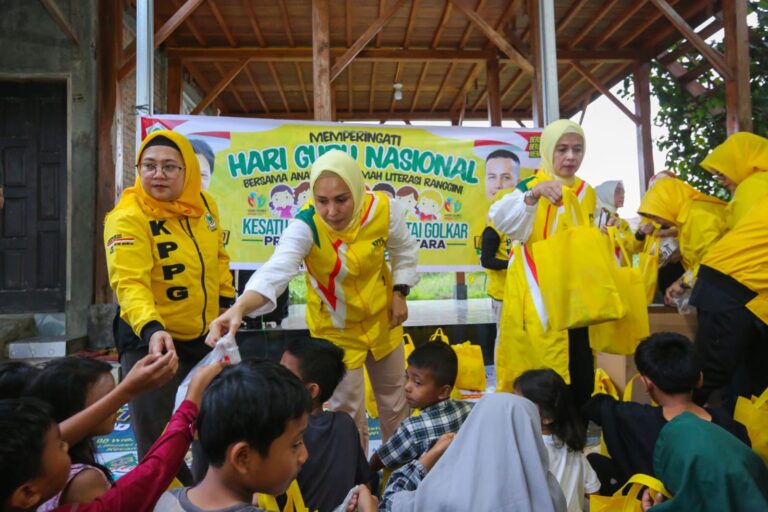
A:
(527, 215)
(354, 300)
(699, 218)
(731, 292)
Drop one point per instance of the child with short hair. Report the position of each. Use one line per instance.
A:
(14, 376)
(251, 426)
(336, 459)
(670, 371)
(563, 433)
(35, 463)
(431, 373)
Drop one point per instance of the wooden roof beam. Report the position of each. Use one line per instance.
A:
(248, 5)
(713, 56)
(685, 46)
(287, 23)
(570, 14)
(441, 89)
(441, 26)
(628, 15)
(160, 35)
(372, 88)
(381, 10)
(382, 116)
(358, 46)
(234, 92)
(216, 90)
(494, 36)
(418, 85)
(693, 10)
(643, 27)
(604, 10)
(190, 25)
(603, 89)
(60, 20)
(279, 84)
(409, 28)
(468, 29)
(303, 86)
(468, 83)
(222, 24)
(256, 89)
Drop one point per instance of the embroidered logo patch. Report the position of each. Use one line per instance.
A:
(211, 222)
(119, 240)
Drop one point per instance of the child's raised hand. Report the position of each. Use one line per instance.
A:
(150, 372)
(202, 377)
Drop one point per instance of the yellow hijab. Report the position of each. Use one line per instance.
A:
(668, 198)
(741, 155)
(189, 203)
(549, 139)
(345, 167)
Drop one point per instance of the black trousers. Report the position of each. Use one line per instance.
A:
(733, 349)
(151, 410)
(581, 365)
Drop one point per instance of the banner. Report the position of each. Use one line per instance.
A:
(258, 172)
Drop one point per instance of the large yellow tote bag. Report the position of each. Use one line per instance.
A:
(649, 266)
(623, 335)
(753, 414)
(574, 271)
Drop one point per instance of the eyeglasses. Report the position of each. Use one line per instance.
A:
(169, 170)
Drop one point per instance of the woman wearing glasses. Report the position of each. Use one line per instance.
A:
(168, 268)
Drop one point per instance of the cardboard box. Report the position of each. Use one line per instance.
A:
(622, 368)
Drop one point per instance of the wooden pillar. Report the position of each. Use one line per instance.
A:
(494, 92)
(738, 98)
(537, 104)
(108, 59)
(642, 82)
(174, 88)
(321, 61)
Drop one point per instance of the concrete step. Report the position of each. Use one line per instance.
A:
(45, 347)
(13, 327)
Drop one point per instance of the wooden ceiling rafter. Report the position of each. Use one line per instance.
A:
(684, 47)
(381, 10)
(256, 89)
(593, 23)
(481, 97)
(716, 58)
(409, 27)
(371, 88)
(619, 23)
(232, 90)
(569, 15)
(494, 36)
(597, 84)
(349, 88)
(468, 84)
(468, 29)
(441, 88)
(286, 23)
(654, 18)
(381, 117)
(215, 91)
(354, 49)
(251, 14)
(303, 86)
(222, 24)
(61, 20)
(278, 82)
(441, 26)
(161, 34)
(419, 82)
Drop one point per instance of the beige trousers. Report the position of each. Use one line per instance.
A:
(388, 382)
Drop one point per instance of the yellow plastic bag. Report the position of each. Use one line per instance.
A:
(753, 414)
(576, 280)
(471, 368)
(604, 385)
(649, 266)
(295, 501)
(408, 346)
(623, 335)
(627, 499)
(439, 335)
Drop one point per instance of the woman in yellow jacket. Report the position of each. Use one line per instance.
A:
(354, 300)
(168, 268)
(699, 218)
(527, 215)
(731, 292)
